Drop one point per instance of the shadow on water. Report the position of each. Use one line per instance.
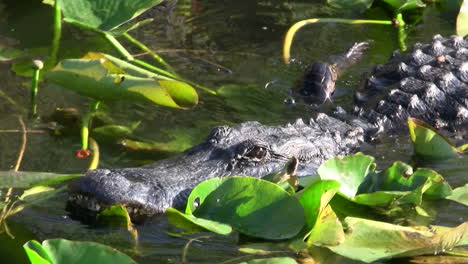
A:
(233, 47)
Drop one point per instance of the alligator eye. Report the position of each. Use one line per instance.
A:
(256, 152)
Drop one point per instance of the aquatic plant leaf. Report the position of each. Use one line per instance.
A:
(104, 15)
(193, 224)
(411, 4)
(404, 4)
(349, 171)
(200, 192)
(428, 142)
(368, 240)
(251, 206)
(91, 77)
(357, 5)
(460, 195)
(62, 251)
(275, 260)
(315, 197)
(116, 65)
(328, 230)
(36, 195)
(23, 179)
(7, 53)
(36, 253)
(113, 133)
(462, 19)
(128, 27)
(399, 184)
(115, 215)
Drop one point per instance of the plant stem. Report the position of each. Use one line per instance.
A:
(124, 53)
(143, 47)
(153, 68)
(38, 65)
(85, 123)
(116, 44)
(94, 147)
(292, 30)
(57, 34)
(401, 31)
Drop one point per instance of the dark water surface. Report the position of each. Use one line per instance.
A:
(245, 38)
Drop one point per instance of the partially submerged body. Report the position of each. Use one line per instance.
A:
(429, 83)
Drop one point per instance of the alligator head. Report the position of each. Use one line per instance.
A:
(249, 148)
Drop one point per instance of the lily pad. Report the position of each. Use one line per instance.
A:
(315, 197)
(349, 171)
(460, 195)
(193, 224)
(94, 78)
(103, 15)
(428, 142)
(369, 241)
(400, 184)
(324, 226)
(251, 206)
(61, 251)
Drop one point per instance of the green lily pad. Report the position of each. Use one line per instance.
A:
(349, 171)
(428, 142)
(324, 226)
(369, 241)
(116, 65)
(328, 230)
(315, 197)
(94, 78)
(460, 195)
(400, 184)
(103, 15)
(251, 206)
(61, 251)
(193, 224)
(36, 253)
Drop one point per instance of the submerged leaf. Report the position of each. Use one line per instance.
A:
(276, 260)
(428, 142)
(357, 5)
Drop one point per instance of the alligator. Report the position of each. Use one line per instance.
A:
(429, 82)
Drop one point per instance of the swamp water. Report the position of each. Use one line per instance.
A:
(233, 47)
